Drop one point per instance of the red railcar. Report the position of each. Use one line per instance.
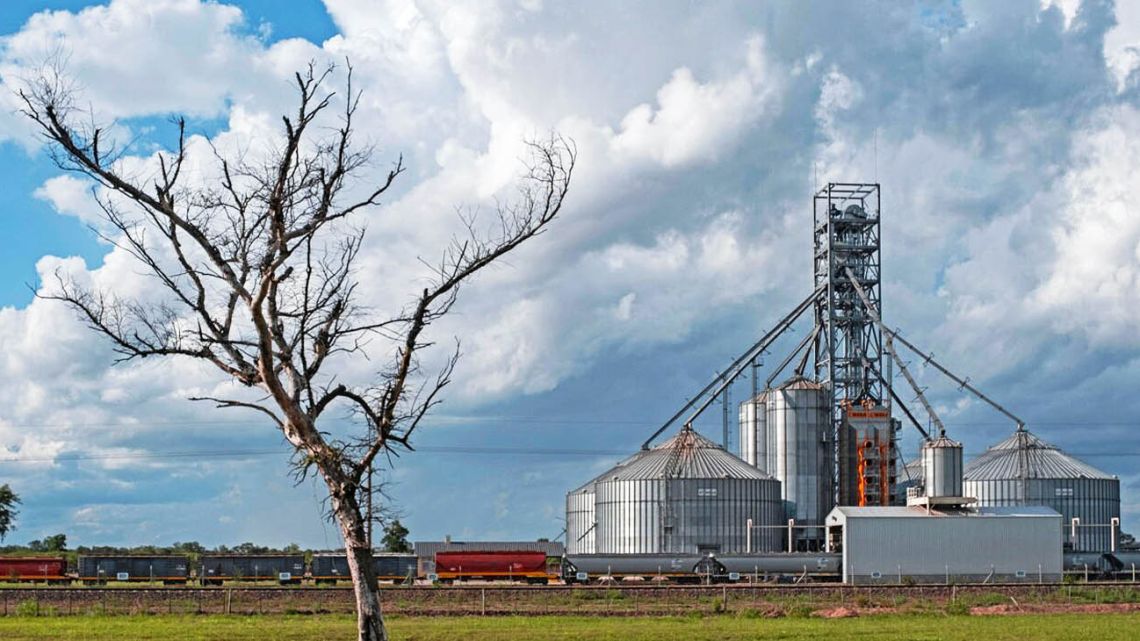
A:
(33, 568)
(523, 565)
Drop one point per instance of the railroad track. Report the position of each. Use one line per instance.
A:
(622, 587)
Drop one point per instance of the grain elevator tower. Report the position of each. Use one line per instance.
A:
(849, 346)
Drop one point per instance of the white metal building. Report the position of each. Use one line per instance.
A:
(887, 545)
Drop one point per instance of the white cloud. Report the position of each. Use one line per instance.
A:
(1068, 8)
(1122, 42)
(1094, 284)
(693, 121)
(141, 57)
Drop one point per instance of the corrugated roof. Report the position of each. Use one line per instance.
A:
(1023, 455)
(799, 382)
(914, 512)
(588, 486)
(427, 549)
(687, 455)
(941, 442)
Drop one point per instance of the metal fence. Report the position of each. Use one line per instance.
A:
(618, 600)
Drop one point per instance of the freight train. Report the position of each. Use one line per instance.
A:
(779, 567)
(286, 569)
(522, 566)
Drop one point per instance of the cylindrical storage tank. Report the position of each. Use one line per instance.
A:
(581, 515)
(580, 520)
(942, 468)
(1025, 470)
(754, 431)
(798, 426)
(688, 496)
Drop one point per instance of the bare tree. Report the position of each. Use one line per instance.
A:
(257, 268)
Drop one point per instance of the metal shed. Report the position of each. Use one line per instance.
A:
(898, 545)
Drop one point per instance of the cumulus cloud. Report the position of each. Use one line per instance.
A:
(141, 57)
(692, 120)
(1122, 43)
(1094, 282)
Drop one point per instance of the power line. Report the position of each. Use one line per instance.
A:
(513, 420)
(263, 452)
(442, 449)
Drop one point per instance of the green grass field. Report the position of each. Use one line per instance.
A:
(1058, 627)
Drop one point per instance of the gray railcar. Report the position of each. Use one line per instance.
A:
(329, 568)
(758, 566)
(592, 567)
(164, 569)
(214, 569)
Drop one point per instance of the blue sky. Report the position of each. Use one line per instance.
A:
(1006, 137)
(31, 219)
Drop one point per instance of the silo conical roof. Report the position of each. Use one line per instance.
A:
(588, 486)
(800, 382)
(688, 455)
(1024, 455)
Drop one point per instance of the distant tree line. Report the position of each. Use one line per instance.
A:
(395, 540)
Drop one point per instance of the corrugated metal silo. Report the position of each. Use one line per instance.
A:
(1024, 470)
(942, 468)
(580, 520)
(687, 495)
(798, 426)
(754, 431)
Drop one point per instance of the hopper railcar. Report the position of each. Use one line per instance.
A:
(527, 565)
(216, 569)
(165, 569)
(327, 569)
(698, 568)
(34, 569)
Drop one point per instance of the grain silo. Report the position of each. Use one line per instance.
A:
(580, 520)
(942, 468)
(798, 452)
(687, 495)
(1024, 470)
(754, 431)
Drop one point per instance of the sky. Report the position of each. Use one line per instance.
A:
(1006, 138)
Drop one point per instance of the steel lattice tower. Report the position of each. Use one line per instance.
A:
(849, 347)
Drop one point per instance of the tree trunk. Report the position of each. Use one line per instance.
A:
(369, 618)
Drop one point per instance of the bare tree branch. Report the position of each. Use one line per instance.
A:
(256, 276)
